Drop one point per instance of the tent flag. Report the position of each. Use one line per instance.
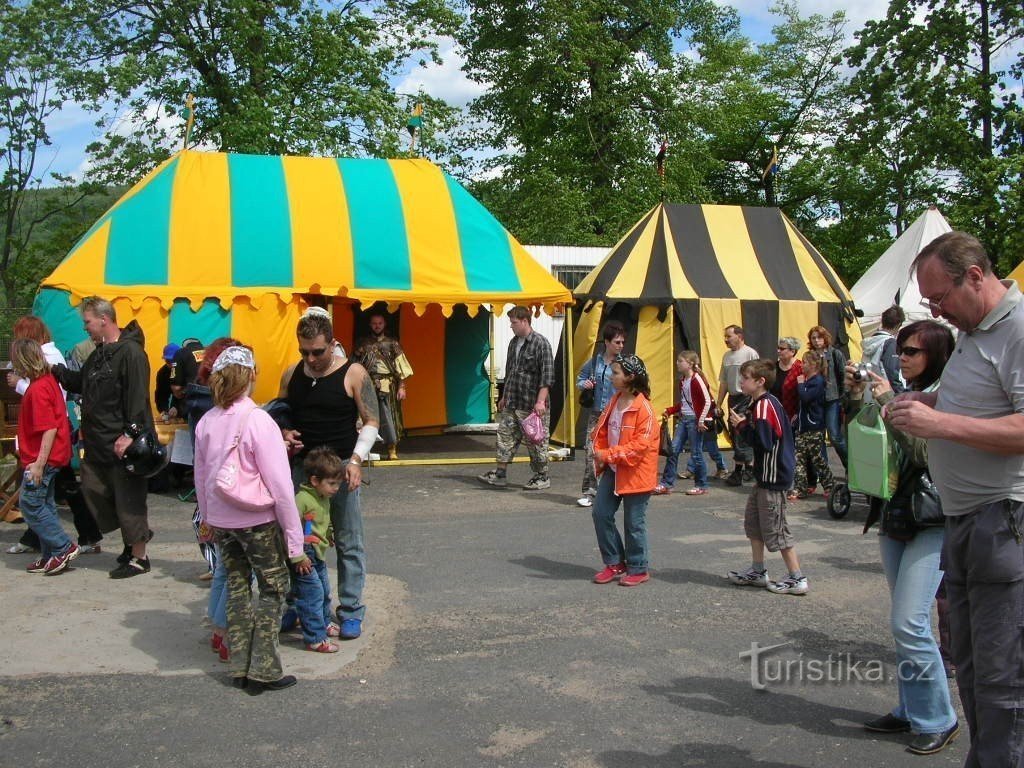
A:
(773, 164)
(211, 244)
(685, 272)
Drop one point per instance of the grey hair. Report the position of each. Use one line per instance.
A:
(99, 307)
(791, 342)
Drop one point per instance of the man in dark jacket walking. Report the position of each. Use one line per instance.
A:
(114, 384)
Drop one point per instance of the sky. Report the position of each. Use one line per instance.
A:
(73, 128)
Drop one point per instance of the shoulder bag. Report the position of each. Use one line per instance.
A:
(665, 442)
(925, 504)
(238, 486)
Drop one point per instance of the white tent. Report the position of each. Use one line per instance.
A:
(889, 280)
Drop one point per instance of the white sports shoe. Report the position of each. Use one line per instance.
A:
(585, 501)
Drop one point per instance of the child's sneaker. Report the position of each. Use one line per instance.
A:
(58, 563)
(789, 586)
(36, 566)
(633, 579)
(537, 483)
(493, 478)
(749, 578)
(610, 573)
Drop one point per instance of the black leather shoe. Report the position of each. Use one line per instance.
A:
(286, 681)
(930, 743)
(736, 478)
(887, 724)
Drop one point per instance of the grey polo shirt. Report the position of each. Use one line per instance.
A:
(732, 361)
(984, 379)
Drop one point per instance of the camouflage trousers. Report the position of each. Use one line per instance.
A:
(253, 631)
(510, 435)
(810, 448)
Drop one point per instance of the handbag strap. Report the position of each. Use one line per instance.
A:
(241, 429)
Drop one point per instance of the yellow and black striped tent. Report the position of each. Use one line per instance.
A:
(685, 272)
(212, 244)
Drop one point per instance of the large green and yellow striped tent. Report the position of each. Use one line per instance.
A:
(684, 272)
(211, 244)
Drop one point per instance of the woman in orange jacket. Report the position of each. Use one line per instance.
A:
(626, 461)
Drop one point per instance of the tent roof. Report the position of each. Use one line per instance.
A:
(712, 251)
(890, 281)
(1017, 274)
(214, 225)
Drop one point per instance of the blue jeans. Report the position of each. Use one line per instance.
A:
(834, 425)
(217, 608)
(686, 434)
(312, 600)
(634, 553)
(912, 570)
(711, 446)
(39, 509)
(347, 519)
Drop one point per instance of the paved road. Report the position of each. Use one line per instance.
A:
(486, 646)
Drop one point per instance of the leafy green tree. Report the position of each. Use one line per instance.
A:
(33, 88)
(939, 107)
(580, 95)
(286, 77)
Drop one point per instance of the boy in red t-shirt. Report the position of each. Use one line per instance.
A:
(44, 446)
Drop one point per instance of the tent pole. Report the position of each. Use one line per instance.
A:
(570, 390)
(492, 377)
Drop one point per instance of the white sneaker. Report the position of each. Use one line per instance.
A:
(585, 501)
(750, 578)
(789, 586)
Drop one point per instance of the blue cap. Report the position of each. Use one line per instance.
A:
(170, 351)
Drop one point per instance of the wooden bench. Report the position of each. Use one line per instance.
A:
(10, 403)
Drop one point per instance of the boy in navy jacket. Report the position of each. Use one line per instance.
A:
(764, 522)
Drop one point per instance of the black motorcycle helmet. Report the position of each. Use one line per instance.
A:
(146, 456)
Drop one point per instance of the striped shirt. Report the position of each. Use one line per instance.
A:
(767, 430)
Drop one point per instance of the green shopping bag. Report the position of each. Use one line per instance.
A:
(871, 454)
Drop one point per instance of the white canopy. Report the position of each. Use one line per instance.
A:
(889, 280)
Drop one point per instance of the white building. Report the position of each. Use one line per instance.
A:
(569, 264)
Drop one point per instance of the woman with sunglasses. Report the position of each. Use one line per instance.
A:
(910, 558)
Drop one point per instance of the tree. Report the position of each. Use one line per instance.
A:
(936, 88)
(33, 89)
(580, 95)
(285, 77)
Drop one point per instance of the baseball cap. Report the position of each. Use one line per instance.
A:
(170, 350)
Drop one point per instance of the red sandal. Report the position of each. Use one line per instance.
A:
(324, 646)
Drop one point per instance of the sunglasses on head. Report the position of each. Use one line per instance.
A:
(909, 351)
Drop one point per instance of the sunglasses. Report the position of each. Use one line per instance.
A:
(909, 351)
(312, 352)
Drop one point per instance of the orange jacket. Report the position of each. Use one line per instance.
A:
(636, 456)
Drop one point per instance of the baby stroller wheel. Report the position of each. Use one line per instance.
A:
(839, 501)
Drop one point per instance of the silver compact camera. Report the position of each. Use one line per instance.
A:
(863, 370)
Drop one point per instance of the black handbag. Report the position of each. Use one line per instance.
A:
(587, 395)
(665, 443)
(925, 504)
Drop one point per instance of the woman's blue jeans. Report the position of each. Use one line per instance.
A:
(39, 509)
(912, 570)
(711, 446)
(606, 503)
(834, 425)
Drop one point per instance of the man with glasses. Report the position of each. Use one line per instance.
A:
(596, 376)
(974, 425)
(327, 393)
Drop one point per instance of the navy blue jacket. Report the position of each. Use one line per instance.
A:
(812, 404)
(767, 431)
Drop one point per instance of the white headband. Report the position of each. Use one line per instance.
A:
(234, 356)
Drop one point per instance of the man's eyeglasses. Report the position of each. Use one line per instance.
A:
(909, 351)
(934, 305)
(312, 352)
